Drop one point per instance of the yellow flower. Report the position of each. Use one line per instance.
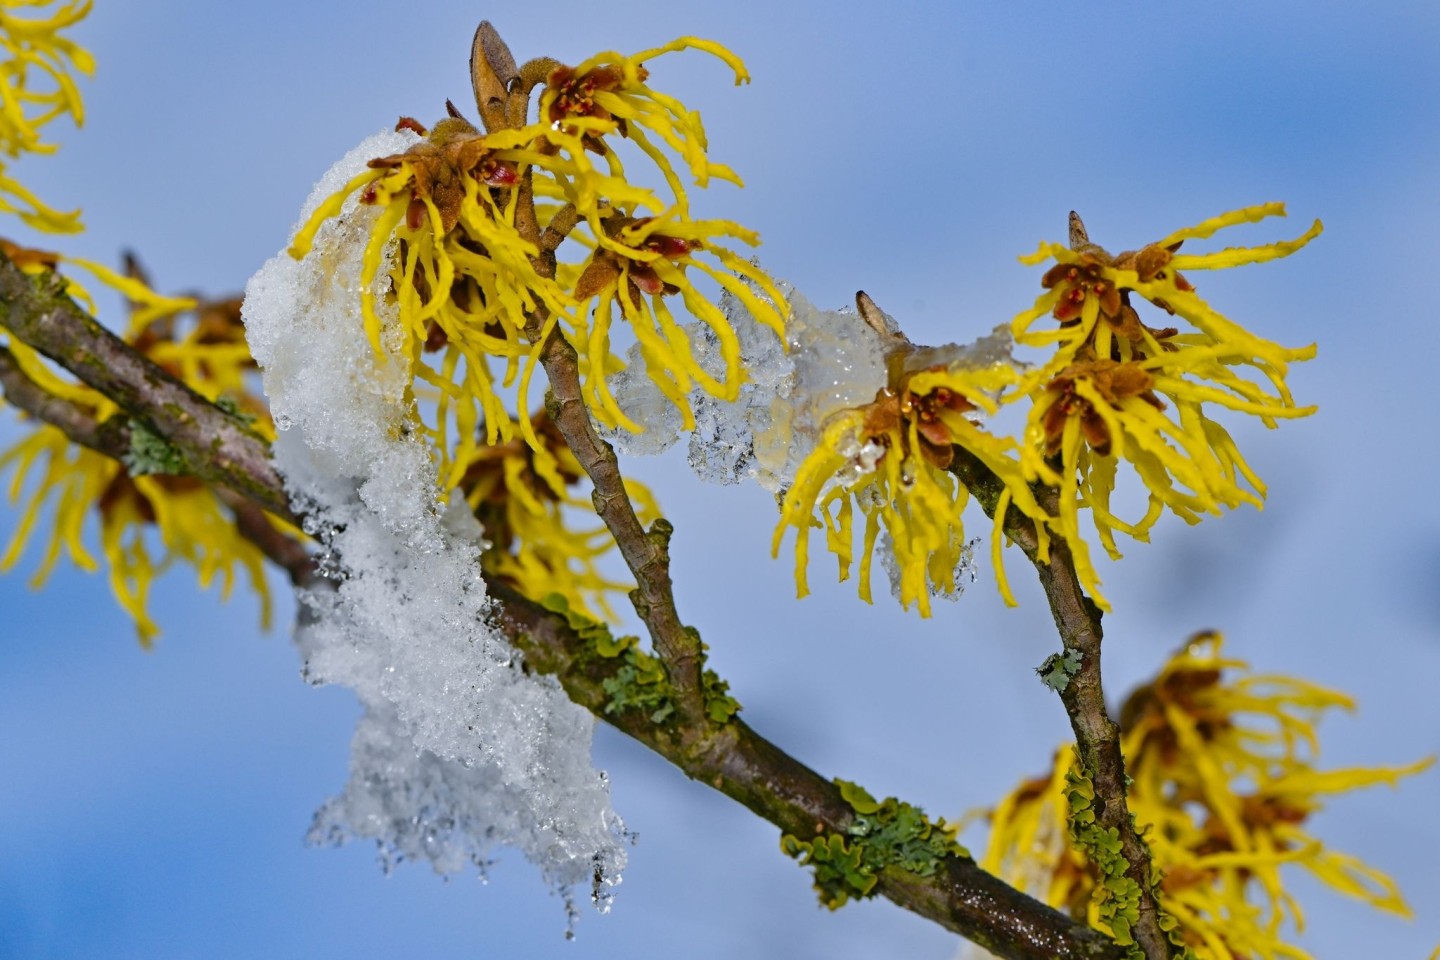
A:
(463, 275)
(36, 88)
(646, 260)
(75, 483)
(471, 279)
(191, 524)
(1223, 779)
(890, 458)
(531, 546)
(639, 259)
(1117, 389)
(610, 88)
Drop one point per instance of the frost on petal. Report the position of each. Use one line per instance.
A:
(459, 750)
(962, 576)
(641, 400)
(834, 362)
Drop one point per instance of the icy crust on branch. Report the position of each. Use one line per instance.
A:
(835, 362)
(459, 751)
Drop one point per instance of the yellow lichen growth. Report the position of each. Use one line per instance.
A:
(470, 268)
(532, 543)
(1223, 778)
(1117, 389)
(37, 86)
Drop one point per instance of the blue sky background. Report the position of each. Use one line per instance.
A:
(153, 805)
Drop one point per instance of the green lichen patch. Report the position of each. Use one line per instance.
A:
(151, 453)
(840, 869)
(639, 682)
(1117, 896)
(231, 406)
(884, 833)
(719, 705)
(1058, 669)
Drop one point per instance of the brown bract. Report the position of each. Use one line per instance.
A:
(1115, 382)
(24, 257)
(606, 265)
(439, 165)
(1081, 280)
(1151, 262)
(895, 409)
(1086, 278)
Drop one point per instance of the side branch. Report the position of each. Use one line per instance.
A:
(111, 438)
(217, 446)
(728, 757)
(1097, 736)
(647, 553)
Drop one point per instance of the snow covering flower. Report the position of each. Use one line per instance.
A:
(459, 269)
(532, 544)
(1117, 389)
(37, 63)
(149, 499)
(469, 260)
(1223, 780)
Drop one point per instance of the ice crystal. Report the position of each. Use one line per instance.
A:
(459, 751)
(964, 573)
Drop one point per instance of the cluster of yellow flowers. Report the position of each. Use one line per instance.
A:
(480, 284)
(468, 283)
(1223, 779)
(1096, 400)
(480, 280)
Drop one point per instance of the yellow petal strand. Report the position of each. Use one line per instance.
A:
(1240, 256)
(717, 50)
(997, 546)
(1207, 228)
(305, 237)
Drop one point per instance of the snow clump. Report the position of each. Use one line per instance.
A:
(459, 751)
